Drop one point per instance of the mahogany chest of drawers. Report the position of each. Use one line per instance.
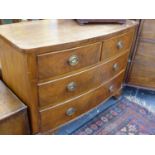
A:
(61, 70)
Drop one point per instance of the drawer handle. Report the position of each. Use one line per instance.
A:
(70, 111)
(73, 60)
(116, 67)
(111, 89)
(71, 86)
(120, 45)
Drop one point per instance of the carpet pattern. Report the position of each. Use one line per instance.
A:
(123, 118)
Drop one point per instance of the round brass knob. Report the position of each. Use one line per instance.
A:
(116, 67)
(73, 60)
(111, 89)
(70, 111)
(71, 86)
(120, 45)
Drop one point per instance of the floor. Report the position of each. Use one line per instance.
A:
(145, 98)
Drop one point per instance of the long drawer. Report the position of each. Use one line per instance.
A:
(61, 62)
(54, 116)
(116, 45)
(59, 90)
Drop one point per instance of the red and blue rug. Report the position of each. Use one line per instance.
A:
(123, 118)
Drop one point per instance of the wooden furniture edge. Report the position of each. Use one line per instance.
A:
(133, 50)
(68, 45)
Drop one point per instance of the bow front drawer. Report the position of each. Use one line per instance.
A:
(59, 90)
(61, 62)
(55, 116)
(116, 45)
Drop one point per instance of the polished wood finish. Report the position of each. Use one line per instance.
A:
(55, 116)
(51, 64)
(142, 70)
(53, 35)
(19, 74)
(13, 113)
(55, 91)
(35, 66)
(111, 46)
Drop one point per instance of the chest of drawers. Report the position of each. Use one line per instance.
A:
(60, 69)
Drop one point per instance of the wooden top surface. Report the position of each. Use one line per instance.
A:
(47, 33)
(9, 103)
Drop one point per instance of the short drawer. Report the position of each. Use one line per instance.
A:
(117, 44)
(61, 62)
(56, 91)
(58, 115)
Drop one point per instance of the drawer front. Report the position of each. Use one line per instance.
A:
(68, 87)
(58, 63)
(117, 44)
(58, 115)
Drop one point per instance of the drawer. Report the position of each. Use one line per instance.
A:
(61, 62)
(60, 114)
(117, 44)
(62, 89)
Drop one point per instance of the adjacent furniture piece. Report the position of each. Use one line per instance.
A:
(100, 21)
(142, 72)
(13, 113)
(61, 70)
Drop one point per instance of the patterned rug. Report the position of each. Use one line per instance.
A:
(123, 118)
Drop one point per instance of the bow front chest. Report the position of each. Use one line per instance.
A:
(60, 69)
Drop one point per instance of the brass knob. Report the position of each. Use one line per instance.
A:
(70, 111)
(73, 60)
(111, 89)
(115, 66)
(71, 86)
(120, 45)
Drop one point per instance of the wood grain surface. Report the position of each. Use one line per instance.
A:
(143, 63)
(13, 113)
(52, 35)
(55, 116)
(54, 92)
(35, 55)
